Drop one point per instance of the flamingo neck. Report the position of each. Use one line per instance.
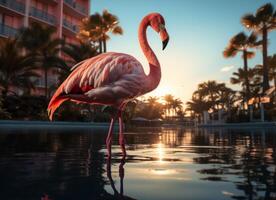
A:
(154, 76)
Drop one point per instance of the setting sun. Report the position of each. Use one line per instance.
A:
(161, 91)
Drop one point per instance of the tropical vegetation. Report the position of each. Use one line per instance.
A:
(97, 27)
(16, 69)
(37, 41)
(254, 81)
(262, 22)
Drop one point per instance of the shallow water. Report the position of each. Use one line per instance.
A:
(163, 164)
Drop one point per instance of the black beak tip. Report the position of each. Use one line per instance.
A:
(165, 42)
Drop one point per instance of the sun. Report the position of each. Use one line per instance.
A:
(161, 91)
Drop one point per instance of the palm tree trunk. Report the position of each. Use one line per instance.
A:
(100, 46)
(275, 81)
(274, 77)
(46, 83)
(265, 67)
(213, 101)
(245, 66)
(104, 45)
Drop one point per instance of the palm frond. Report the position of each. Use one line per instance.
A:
(117, 30)
(251, 40)
(265, 12)
(230, 51)
(250, 54)
(249, 21)
(239, 39)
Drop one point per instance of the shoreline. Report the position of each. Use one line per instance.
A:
(15, 124)
(105, 125)
(240, 125)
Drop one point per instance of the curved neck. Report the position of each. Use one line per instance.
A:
(154, 76)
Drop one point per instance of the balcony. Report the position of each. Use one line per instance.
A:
(76, 6)
(13, 5)
(70, 26)
(7, 31)
(42, 15)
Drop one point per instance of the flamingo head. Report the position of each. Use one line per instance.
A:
(157, 22)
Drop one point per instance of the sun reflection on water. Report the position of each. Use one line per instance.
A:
(160, 150)
(162, 171)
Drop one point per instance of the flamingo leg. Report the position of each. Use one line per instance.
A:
(121, 134)
(108, 140)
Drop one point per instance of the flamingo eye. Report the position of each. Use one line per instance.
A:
(161, 27)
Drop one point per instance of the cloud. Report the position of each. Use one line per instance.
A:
(227, 68)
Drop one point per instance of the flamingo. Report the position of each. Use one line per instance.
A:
(114, 79)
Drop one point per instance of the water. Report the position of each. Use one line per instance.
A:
(163, 164)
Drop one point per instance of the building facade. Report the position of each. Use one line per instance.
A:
(64, 15)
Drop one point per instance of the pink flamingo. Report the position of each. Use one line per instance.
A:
(113, 78)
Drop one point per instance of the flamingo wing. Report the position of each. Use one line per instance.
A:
(109, 79)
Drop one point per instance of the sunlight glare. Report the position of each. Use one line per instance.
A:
(160, 151)
(161, 91)
(163, 171)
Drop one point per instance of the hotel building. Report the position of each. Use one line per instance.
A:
(64, 15)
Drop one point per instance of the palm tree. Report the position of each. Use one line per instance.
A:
(168, 103)
(154, 108)
(241, 43)
(227, 97)
(211, 95)
(197, 104)
(176, 105)
(243, 78)
(152, 101)
(149, 108)
(257, 81)
(16, 69)
(209, 90)
(38, 39)
(97, 27)
(262, 22)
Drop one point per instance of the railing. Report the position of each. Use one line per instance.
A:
(14, 5)
(7, 30)
(70, 26)
(77, 6)
(40, 14)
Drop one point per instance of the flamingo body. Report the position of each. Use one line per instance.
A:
(107, 79)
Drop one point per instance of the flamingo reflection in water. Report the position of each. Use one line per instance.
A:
(117, 195)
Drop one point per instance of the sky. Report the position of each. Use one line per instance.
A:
(199, 31)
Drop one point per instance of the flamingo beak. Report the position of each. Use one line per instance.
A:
(164, 36)
(165, 42)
